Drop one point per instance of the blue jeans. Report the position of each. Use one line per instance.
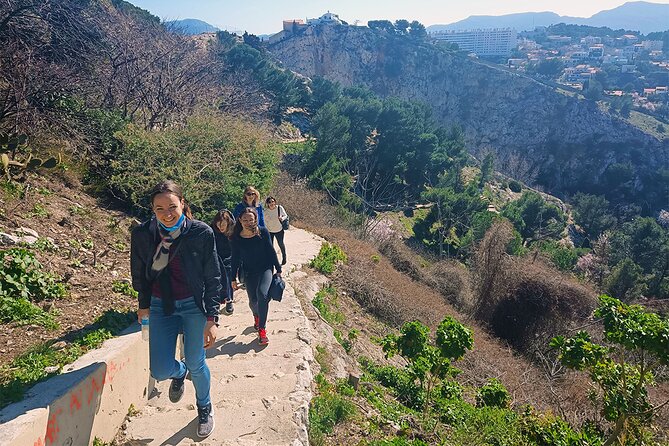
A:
(257, 287)
(163, 331)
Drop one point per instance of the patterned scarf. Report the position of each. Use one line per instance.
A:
(162, 256)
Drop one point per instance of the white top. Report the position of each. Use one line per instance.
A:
(272, 221)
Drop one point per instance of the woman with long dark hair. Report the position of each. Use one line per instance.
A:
(253, 250)
(175, 271)
(223, 226)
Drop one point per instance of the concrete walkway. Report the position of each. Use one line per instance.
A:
(260, 395)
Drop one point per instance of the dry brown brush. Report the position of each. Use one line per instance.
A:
(524, 300)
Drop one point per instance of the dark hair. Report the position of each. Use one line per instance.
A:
(221, 215)
(170, 187)
(270, 198)
(238, 224)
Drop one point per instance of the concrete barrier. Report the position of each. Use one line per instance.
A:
(90, 399)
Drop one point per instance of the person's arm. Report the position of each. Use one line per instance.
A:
(212, 285)
(261, 216)
(234, 262)
(282, 213)
(212, 275)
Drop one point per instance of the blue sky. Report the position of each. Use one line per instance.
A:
(265, 16)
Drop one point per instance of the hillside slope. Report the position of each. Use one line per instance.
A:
(555, 133)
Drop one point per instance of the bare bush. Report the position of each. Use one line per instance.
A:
(452, 280)
(152, 76)
(46, 50)
(524, 300)
(490, 267)
(62, 58)
(360, 284)
(402, 259)
(306, 206)
(539, 304)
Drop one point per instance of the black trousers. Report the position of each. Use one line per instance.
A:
(282, 245)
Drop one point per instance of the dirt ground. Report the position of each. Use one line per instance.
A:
(69, 217)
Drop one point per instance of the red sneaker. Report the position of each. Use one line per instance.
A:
(262, 337)
(256, 322)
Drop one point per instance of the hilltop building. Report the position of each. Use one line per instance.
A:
(293, 26)
(482, 42)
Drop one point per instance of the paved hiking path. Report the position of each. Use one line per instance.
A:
(260, 395)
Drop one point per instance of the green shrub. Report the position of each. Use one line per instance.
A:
(484, 426)
(429, 361)
(624, 369)
(22, 282)
(328, 257)
(326, 411)
(213, 157)
(493, 394)
(401, 382)
(515, 186)
(325, 301)
(563, 257)
(547, 430)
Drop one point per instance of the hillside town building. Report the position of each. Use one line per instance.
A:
(482, 42)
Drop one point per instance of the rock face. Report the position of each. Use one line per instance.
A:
(498, 110)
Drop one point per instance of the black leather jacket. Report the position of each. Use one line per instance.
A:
(197, 252)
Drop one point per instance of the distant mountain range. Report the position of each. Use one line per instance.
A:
(645, 17)
(192, 26)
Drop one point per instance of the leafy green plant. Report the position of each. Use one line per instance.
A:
(87, 244)
(493, 394)
(325, 301)
(328, 257)
(548, 430)
(38, 211)
(43, 244)
(323, 358)
(325, 411)
(429, 363)
(123, 287)
(120, 246)
(210, 149)
(624, 371)
(22, 282)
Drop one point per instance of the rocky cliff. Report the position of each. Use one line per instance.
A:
(498, 110)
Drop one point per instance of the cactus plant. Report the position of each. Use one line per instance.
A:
(11, 144)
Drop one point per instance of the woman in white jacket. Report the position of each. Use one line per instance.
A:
(275, 215)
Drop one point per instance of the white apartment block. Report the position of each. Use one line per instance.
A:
(482, 42)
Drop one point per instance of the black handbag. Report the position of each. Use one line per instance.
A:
(276, 288)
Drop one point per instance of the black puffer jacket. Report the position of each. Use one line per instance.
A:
(197, 252)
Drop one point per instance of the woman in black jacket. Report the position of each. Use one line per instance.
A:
(223, 226)
(175, 271)
(253, 250)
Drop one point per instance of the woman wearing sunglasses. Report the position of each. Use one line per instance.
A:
(251, 199)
